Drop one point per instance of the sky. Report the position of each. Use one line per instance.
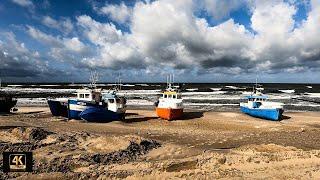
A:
(277, 41)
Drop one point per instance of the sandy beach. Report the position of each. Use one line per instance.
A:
(200, 145)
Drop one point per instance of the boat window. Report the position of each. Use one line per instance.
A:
(165, 96)
(87, 95)
(111, 100)
(174, 96)
(81, 95)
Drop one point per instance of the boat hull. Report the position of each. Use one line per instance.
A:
(6, 104)
(98, 114)
(58, 108)
(169, 113)
(76, 107)
(270, 114)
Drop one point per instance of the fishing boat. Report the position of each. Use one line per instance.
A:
(7, 102)
(257, 105)
(170, 104)
(84, 99)
(91, 104)
(58, 106)
(112, 108)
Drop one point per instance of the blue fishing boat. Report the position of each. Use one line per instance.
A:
(257, 105)
(99, 114)
(58, 106)
(85, 98)
(91, 104)
(96, 105)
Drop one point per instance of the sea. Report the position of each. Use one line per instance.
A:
(196, 96)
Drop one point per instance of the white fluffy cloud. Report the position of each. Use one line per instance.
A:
(165, 35)
(62, 49)
(24, 3)
(119, 13)
(220, 9)
(64, 24)
(17, 60)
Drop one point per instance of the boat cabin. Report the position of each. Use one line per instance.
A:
(255, 101)
(171, 95)
(257, 98)
(89, 95)
(111, 97)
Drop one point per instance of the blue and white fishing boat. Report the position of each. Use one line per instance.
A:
(257, 105)
(113, 108)
(95, 105)
(91, 104)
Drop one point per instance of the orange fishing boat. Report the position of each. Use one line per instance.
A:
(170, 105)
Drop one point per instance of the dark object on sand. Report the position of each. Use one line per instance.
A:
(6, 103)
(132, 152)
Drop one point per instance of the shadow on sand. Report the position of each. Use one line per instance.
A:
(32, 112)
(283, 117)
(132, 114)
(191, 115)
(138, 119)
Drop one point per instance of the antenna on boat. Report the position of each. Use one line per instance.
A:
(94, 77)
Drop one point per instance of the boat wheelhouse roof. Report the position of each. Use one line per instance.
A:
(170, 92)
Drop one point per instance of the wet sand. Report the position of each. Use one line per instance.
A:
(200, 145)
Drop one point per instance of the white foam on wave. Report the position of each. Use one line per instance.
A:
(234, 87)
(146, 85)
(204, 93)
(142, 102)
(287, 90)
(314, 95)
(37, 90)
(128, 85)
(211, 98)
(194, 89)
(215, 89)
(31, 101)
(308, 105)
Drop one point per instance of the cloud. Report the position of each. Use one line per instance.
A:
(166, 36)
(220, 9)
(18, 61)
(99, 33)
(64, 24)
(62, 49)
(24, 3)
(118, 13)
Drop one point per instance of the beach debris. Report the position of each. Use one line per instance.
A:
(132, 152)
(38, 134)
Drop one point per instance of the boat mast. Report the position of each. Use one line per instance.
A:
(94, 77)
